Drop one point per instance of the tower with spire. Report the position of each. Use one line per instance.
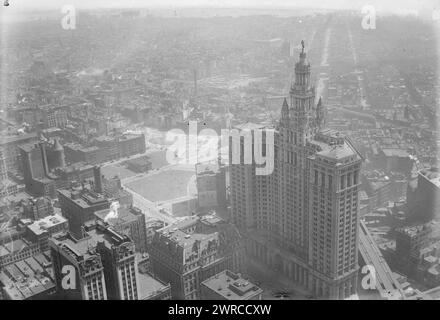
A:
(301, 118)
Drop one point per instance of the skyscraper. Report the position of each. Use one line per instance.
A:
(104, 264)
(128, 221)
(78, 205)
(302, 219)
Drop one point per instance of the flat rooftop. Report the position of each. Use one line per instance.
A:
(84, 247)
(176, 232)
(40, 226)
(150, 286)
(334, 147)
(83, 197)
(232, 286)
(26, 278)
(13, 247)
(124, 215)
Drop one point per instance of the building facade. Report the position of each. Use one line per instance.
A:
(128, 221)
(190, 251)
(104, 262)
(78, 206)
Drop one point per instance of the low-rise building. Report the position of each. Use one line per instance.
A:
(27, 279)
(227, 285)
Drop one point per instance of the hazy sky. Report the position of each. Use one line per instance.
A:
(397, 6)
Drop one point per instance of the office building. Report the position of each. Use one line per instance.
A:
(78, 205)
(104, 262)
(189, 251)
(128, 221)
(423, 196)
(41, 230)
(302, 219)
(211, 185)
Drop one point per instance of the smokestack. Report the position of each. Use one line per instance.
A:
(44, 157)
(98, 179)
(59, 150)
(195, 83)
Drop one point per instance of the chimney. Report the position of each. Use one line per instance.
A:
(44, 157)
(98, 179)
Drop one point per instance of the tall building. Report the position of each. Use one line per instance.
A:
(423, 196)
(57, 157)
(78, 206)
(29, 278)
(302, 219)
(41, 230)
(410, 242)
(34, 162)
(16, 250)
(37, 208)
(104, 262)
(190, 251)
(9, 148)
(44, 167)
(128, 221)
(211, 185)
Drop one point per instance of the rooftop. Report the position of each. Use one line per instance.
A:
(432, 174)
(42, 225)
(26, 278)
(83, 197)
(17, 138)
(207, 168)
(150, 286)
(124, 215)
(232, 286)
(13, 247)
(334, 146)
(84, 248)
(413, 231)
(250, 126)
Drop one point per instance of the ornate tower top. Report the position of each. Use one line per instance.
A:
(303, 55)
(299, 114)
(302, 72)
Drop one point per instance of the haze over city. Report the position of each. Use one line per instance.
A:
(219, 150)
